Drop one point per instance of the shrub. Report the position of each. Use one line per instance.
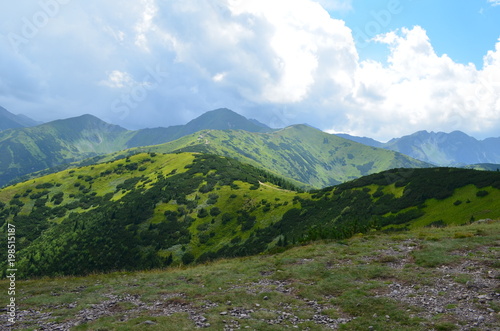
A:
(226, 218)
(215, 211)
(206, 188)
(44, 185)
(202, 213)
(481, 193)
(16, 202)
(187, 258)
(212, 199)
(203, 227)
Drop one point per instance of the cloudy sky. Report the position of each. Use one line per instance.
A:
(383, 69)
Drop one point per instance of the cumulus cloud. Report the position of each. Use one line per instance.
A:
(150, 63)
(417, 89)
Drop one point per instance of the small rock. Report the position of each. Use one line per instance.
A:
(266, 298)
(148, 322)
(224, 313)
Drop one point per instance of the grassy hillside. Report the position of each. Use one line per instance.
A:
(31, 149)
(146, 210)
(299, 152)
(154, 210)
(306, 156)
(424, 279)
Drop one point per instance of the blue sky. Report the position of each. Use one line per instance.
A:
(463, 29)
(382, 68)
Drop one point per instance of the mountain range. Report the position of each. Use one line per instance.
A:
(299, 152)
(442, 149)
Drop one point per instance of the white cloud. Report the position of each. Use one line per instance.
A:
(118, 79)
(494, 2)
(282, 62)
(145, 25)
(418, 90)
(303, 42)
(219, 77)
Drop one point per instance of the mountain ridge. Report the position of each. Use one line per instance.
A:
(9, 120)
(297, 156)
(27, 150)
(455, 148)
(297, 152)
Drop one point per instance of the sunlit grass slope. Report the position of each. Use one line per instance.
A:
(153, 210)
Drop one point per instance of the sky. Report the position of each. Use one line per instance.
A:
(379, 68)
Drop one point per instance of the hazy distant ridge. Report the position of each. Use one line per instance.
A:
(439, 148)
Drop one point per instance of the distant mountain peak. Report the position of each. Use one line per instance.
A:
(222, 119)
(9, 120)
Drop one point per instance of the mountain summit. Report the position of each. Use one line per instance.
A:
(11, 121)
(223, 119)
(218, 119)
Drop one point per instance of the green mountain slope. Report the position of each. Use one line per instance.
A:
(299, 152)
(154, 210)
(31, 149)
(27, 150)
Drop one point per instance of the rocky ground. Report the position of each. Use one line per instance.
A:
(464, 295)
